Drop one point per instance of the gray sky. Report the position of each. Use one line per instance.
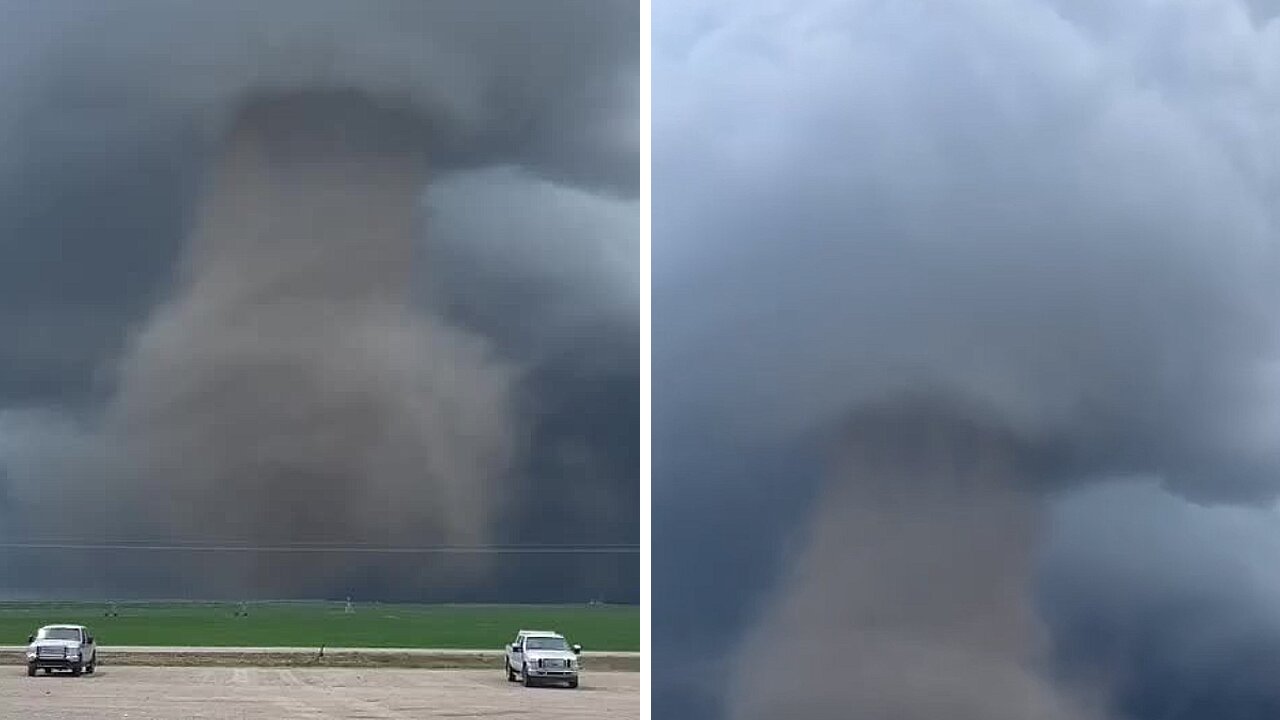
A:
(1062, 214)
(112, 115)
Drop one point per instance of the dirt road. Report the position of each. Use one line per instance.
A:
(450, 659)
(255, 693)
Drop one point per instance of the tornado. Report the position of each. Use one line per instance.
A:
(313, 273)
(910, 597)
(289, 391)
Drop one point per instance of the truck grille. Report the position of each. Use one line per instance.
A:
(553, 664)
(48, 652)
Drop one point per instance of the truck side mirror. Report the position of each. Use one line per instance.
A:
(577, 649)
(31, 638)
(515, 649)
(88, 639)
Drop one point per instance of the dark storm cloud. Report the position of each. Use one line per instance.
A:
(1059, 215)
(1018, 214)
(115, 112)
(1170, 606)
(107, 107)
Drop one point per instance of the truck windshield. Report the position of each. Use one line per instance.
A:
(545, 643)
(58, 634)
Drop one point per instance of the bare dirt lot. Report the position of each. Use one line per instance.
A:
(257, 693)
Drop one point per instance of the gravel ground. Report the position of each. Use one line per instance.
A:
(254, 693)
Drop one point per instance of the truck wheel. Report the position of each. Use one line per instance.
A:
(76, 670)
(511, 674)
(524, 675)
(31, 669)
(93, 665)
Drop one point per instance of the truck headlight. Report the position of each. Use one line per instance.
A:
(31, 653)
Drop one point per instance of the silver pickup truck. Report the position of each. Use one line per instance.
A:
(542, 656)
(62, 647)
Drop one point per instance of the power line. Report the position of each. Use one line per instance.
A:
(322, 548)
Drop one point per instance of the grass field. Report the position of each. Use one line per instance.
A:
(605, 627)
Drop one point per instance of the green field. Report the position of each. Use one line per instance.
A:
(608, 627)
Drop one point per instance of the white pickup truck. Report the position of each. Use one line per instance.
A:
(542, 656)
(62, 647)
